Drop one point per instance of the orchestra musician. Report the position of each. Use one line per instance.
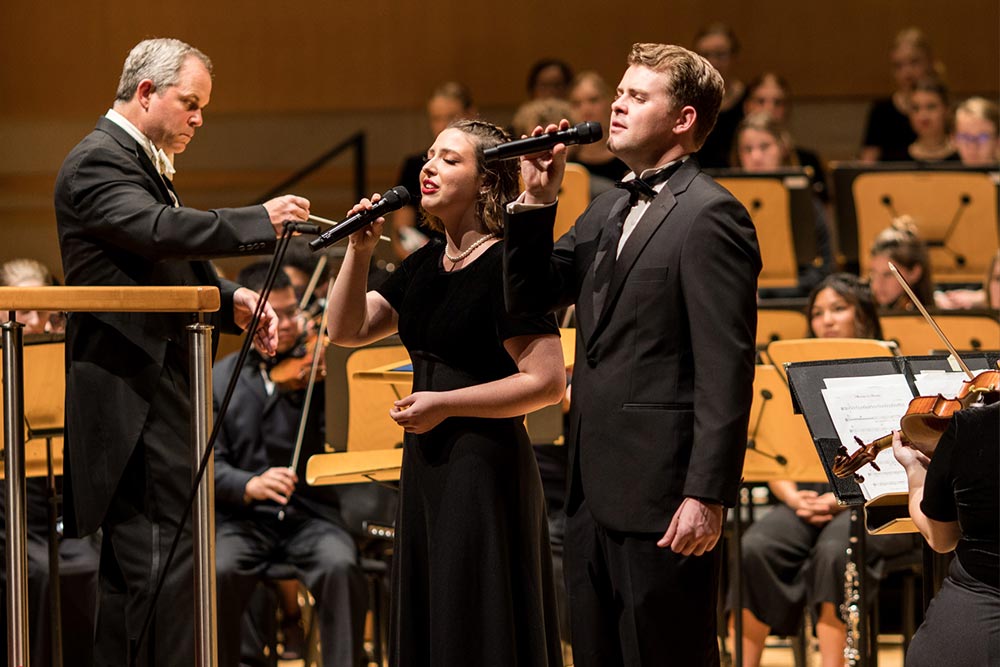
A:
(266, 511)
(664, 283)
(954, 487)
(121, 222)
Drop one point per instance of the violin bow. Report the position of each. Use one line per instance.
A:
(313, 281)
(307, 402)
(930, 320)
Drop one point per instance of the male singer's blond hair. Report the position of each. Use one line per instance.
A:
(691, 81)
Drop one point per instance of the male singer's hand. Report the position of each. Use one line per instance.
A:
(419, 412)
(695, 528)
(286, 208)
(275, 484)
(542, 173)
(265, 339)
(368, 236)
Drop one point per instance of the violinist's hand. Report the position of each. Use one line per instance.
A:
(419, 412)
(542, 173)
(910, 458)
(366, 238)
(265, 339)
(275, 484)
(695, 528)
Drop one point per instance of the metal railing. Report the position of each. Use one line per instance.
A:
(357, 142)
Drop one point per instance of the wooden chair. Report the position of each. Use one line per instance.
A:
(768, 203)
(775, 325)
(956, 213)
(915, 336)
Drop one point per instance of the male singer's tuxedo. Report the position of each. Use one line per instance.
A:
(661, 397)
(127, 458)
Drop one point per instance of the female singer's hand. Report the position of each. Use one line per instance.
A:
(419, 412)
(367, 237)
(265, 339)
(542, 173)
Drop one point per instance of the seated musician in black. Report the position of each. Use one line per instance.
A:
(954, 502)
(78, 558)
(266, 512)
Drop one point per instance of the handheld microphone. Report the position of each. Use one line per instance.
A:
(584, 133)
(392, 200)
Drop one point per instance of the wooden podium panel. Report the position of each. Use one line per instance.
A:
(955, 212)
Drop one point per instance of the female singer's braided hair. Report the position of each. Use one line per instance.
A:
(500, 182)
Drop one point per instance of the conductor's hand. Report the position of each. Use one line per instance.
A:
(366, 238)
(542, 173)
(275, 484)
(286, 208)
(265, 339)
(419, 412)
(695, 528)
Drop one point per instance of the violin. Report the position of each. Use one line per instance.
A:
(925, 421)
(293, 371)
(927, 417)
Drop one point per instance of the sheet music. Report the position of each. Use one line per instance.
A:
(946, 383)
(869, 408)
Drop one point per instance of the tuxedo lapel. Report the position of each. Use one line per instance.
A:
(651, 220)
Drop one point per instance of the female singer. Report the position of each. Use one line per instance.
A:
(930, 118)
(472, 573)
(953, 502)
(769, 93)
(900, 244)
(888, 131)
(762, 144)
(796, 554)
(977, 132)
(591, 100)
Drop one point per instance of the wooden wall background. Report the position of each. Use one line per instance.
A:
(294, 78)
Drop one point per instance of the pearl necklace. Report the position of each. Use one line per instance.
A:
(468, 251)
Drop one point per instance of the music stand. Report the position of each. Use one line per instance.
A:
(853, 252)
(44, 391)
(780, 205)
(779, 447)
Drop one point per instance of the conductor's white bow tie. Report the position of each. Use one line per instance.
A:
(162, 162)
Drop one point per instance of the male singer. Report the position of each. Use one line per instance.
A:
(663, 274)
(128, 457)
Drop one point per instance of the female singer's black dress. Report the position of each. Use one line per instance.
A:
(472, 572)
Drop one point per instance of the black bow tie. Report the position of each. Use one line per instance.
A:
(645, 188)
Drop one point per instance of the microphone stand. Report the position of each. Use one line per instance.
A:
(279, 254)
